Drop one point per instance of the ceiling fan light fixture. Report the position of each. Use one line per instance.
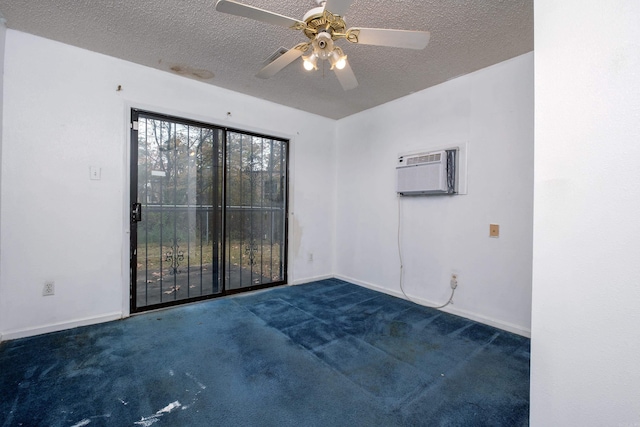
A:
(338, 59)
(310, 62)
(323, 45)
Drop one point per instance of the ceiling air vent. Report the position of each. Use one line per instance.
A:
(275, 55)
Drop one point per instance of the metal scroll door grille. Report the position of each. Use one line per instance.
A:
(255, 211)
(179, 215)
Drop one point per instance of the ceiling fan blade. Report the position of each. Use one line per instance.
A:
(338, 7)
(394, 38)
(285, 59)
(346, 77)
(239, 9)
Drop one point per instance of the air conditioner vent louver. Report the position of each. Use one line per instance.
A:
(428, 158)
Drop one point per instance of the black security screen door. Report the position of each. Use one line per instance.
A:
(208, 211)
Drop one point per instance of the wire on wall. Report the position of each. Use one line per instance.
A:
(400, 247)
(453, 290)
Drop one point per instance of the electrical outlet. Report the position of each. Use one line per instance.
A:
(48, 289)
(454, 281)
(310, 258)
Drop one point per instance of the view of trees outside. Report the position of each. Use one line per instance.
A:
(180, 186)
(255, 207)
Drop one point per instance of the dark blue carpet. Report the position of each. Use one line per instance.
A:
(327, 353)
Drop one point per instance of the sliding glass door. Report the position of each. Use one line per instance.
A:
(208, 211)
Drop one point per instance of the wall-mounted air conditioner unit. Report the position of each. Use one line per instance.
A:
(427, 173)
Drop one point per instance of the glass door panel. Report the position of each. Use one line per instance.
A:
(256, 210)
(178, 246)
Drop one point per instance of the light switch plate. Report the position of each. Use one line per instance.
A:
(95, 172)
(494, 230)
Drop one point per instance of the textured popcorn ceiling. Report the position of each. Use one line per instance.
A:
(190, 38)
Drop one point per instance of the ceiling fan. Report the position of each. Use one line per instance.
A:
(323, 25)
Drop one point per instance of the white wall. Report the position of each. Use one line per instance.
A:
(3, 33)
(63, 114)
(586, 265)
(490, 112)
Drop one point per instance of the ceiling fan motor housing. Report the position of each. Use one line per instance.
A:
(318, 20)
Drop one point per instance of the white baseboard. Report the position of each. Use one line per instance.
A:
(27, 332)
(312, 279)
(55, 327)
(506, 326)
